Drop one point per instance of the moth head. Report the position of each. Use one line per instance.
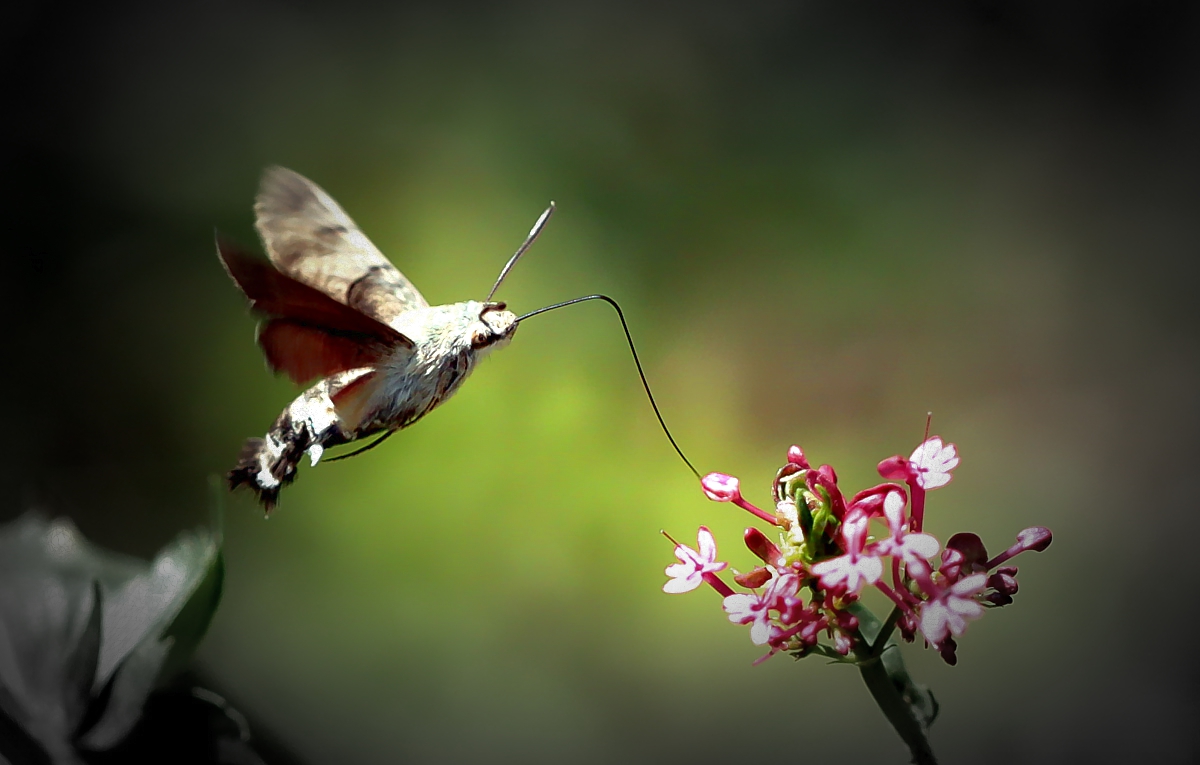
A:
(495, 327)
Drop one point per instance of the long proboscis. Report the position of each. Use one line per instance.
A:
(538, 225)
(632, 350)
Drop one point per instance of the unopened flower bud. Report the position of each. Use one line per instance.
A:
(827, 472)
(754, 578)
(964, 554)
(777, 487)
(894, 468)
(823, 480)
(725, 488)
(871, 500)
(842, 643)
(947, 649)
(721, 488)
(846, 620)
(764, 548)
(811, 632)
(1036, 538)
(796, 457)
(1005, 586)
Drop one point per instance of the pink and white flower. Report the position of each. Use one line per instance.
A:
(849, 572)
(928, 468)
(948, 612)
(932, 462)
(906, 547)
(852, 570)
(754, 608)
(688, 573)
(824, 552)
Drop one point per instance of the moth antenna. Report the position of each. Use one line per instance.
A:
(533, 234)
(928, 421)
(632, 350)
(362, 449)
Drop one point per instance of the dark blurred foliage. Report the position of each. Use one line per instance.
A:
(824, 219)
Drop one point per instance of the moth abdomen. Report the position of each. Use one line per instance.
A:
(310, 425)
(248, 468)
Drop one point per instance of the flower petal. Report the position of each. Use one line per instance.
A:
(707, 545)
(969, 585)
(683, 583)
(934, 624)
(760, 632)
(924, 545)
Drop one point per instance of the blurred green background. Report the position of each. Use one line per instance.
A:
(822, 219)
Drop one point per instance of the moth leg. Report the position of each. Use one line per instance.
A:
(310, 424)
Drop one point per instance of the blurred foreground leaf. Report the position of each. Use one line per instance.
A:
(86, 634)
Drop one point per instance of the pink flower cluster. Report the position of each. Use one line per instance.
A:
(826, 555)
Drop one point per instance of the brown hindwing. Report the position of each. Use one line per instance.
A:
(304, 352)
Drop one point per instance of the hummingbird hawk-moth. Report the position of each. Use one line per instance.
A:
(337, 311)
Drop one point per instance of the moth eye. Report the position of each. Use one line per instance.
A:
(479, 339)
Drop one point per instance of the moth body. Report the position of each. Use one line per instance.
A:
(448, 340)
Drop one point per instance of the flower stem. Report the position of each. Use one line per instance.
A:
(892, 703)
(908, 707)
(885, 632)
